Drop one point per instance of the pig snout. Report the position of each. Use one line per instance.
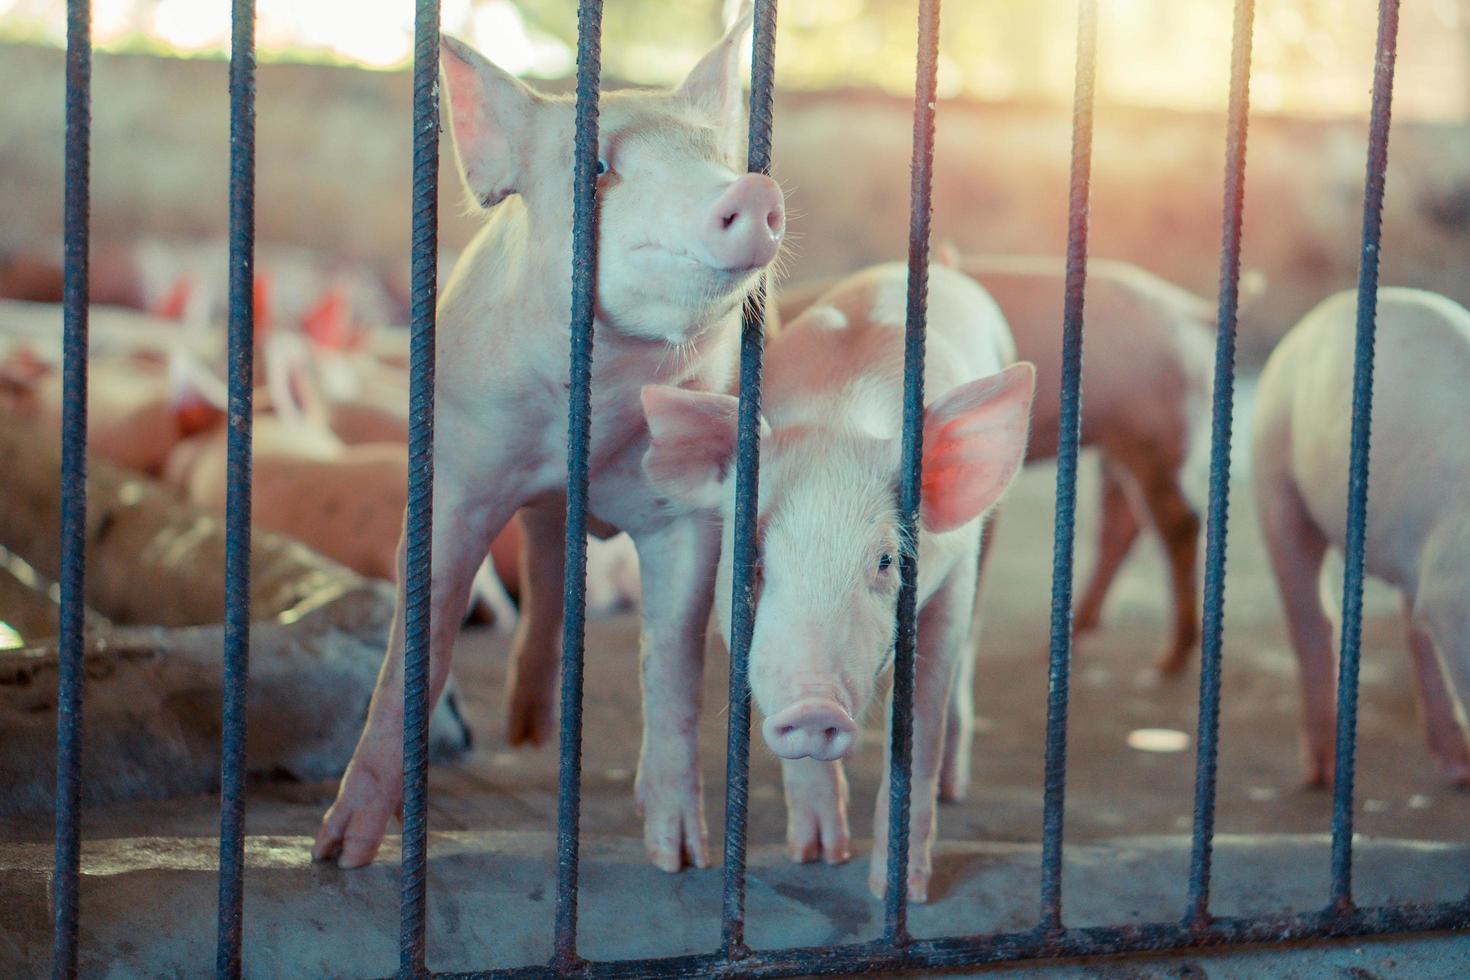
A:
(815, 727)
(744, 227)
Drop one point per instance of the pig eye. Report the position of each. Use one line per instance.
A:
(885, 562)
(601, 167)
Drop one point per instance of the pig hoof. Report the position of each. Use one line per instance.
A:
(918, 886)
(1087, 620)
(674, 833)
(352, 829)
(954, 787)
(529, 723)
(1457, 774)
(814, 845)
(1316, 777)
(1172, 661)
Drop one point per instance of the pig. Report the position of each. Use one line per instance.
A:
(188, 280)
(1418, 533)
(683, 239)
(344, 502)
(1147, 378)
(133, 420)
(829, 547)
(293, 389)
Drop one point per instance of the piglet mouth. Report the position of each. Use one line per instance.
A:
(684, 256)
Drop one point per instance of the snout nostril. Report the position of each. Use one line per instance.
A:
(831, 734)
(786, 730)
(776, 221)
(729, 219)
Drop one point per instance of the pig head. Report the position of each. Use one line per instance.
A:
(827, 576)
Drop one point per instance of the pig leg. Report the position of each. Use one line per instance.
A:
(959, 725)
(1446, 738)
(371, 791)
(1178, 527)
(530, 685)
(1297, 548)
(944, 626)
(816, 811)
(677, 562)
(1119, 529)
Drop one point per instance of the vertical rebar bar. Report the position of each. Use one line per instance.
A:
(584, 288)
(419, 519)
(1069, 426)
(1357, 512)
(901, 721)
(747, 492)
(76, 221)
(1207, 744)
(241, 342)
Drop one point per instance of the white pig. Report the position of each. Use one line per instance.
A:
(683, 238)
(1418, 533)
(1146, 379)
(828, 528)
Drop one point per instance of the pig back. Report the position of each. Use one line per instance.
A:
(1147, 346)
(1417, 470)
(843, 357)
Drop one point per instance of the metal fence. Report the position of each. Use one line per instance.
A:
(896, 949)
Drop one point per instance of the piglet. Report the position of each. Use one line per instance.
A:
(829, 546)
(683, 237)
(1146, 380)
(1418, 533)
(132, 419)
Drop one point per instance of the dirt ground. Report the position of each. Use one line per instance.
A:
(1112, 788)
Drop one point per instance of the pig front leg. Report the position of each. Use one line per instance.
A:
(371, 791)
(1297, 548)
(944, 625)
(816, 811)
(959, 725)
(530, 686)
(677, 563)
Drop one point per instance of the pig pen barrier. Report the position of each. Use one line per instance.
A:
(896, 949)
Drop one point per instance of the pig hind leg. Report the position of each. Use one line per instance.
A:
(1437, 705)
(1119, 527)
(1178, 525)
(530, 683)
(1297, 548)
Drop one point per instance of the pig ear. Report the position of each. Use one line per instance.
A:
(713, 85)
(288, 378)
(489, 115)
(974, 442)
(692, 437)
(198, 398)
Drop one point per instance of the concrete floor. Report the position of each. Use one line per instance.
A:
(1115, 794)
